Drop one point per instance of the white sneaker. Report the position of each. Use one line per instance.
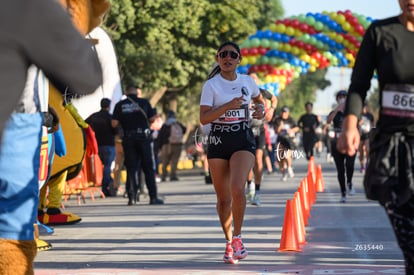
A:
(351, 189)
(290, 172)
(256, 200)
(343, 199)
(250, 196)
(284, 176)
(250, 191)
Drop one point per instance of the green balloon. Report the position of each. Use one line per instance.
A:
(318, 26)
(310, 20)
(265, 60)
(306, 38)
(301, 18)
(319, 45)
(255, 42)
(265, 43)
(274, 45)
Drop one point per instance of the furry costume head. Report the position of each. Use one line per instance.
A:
(86, 14)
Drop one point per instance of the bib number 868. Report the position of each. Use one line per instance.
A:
(403, 101)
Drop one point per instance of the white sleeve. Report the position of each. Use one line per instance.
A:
(207, 95)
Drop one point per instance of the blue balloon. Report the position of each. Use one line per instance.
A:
(267, 34)
(285, 38)
(276, 36)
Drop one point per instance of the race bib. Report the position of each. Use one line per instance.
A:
(235, 115)
(398, 101)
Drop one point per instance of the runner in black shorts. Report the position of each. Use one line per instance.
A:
(225, 139)
(225, 102)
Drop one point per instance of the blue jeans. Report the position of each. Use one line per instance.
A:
(19, 176)
(107, 156)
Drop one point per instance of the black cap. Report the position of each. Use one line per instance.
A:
(285, 109)
(170, 113)
(105, 102)
(341, 93)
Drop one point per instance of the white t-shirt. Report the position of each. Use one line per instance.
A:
(217, 91)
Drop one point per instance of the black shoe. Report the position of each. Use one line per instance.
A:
(174, 179)
(207, 179)
(133, 200)
(156, 201)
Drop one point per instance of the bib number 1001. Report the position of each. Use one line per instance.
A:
(403, 100)
(234, 113)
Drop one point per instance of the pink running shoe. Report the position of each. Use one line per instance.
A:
(240, 251)
(228, 255)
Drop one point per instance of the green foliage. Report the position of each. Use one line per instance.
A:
(301, 90)
(163, 43)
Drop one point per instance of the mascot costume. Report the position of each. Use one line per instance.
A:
(18, 251)
(76, 171)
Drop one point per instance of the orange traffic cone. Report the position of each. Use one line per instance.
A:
(320, 186)
(300, 225)
(289, 241)
(312, 168)
(304, 199)
(311, 188)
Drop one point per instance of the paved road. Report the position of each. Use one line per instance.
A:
(184, 236)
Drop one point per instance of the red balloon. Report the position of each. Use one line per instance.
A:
(307, 48)
(359, 29)
(304, 27)
(312, 30)
(244, 51)
(275, 71)
(262, 51)
(295, 23)
(286, 21)
(262, 68)
(353, 21)
(316, 55)
(269, 68)
(348, 13)
(300, 44)
(253, 51)
(254, 68)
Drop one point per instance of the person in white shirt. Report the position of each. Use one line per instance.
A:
(224, 103)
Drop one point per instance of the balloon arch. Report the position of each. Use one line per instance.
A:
(301, 44)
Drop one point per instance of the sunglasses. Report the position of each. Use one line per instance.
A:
(233, 55)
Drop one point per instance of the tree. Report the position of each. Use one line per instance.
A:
(301, 90)
(169, 46)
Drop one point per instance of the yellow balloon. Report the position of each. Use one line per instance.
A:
(298, 33)
(280, 28)
(272, 28)
(339, 38)
(268, 78)
(290, 31)
(295, 50)
(349, 56)
(282, 86)
(346, 26)
(244, 61)
(305, 57)
(288, 48)
(340, 18)
(252, 59)
(312, 69)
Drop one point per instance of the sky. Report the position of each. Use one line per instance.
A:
(376, 9)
